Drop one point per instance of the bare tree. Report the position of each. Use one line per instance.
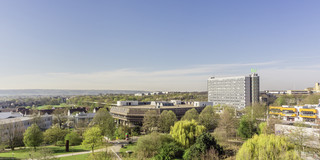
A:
(12, 134)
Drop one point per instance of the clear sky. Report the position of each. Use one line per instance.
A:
(157, 44)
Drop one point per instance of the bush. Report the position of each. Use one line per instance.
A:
(148, 146)
(204, 143)
(170, 151)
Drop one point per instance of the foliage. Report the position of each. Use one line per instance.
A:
(92, 138)
(209, 118)
(166, 120)
(227, 125)
(150, 121)
(266, 147)
(292, 100)
(311, 99)
(185, 132)
(256, 111)
(54, 134)
(33, 136)
(247, 127)
(105, 122)
(204, 143)
(74, 138)
(148, 146)
(191, 114)
(170, 151)
(262, 128)
(121, 132)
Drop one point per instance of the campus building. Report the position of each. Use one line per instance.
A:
(18, 125)
(239, 92)
(131, 113)
(309, 113)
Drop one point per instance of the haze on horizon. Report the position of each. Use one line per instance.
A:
(157, 45)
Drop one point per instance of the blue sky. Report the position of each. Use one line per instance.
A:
(157, 45)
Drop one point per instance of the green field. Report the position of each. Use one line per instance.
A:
(27, 152)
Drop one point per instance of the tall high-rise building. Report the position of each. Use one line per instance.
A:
(239, 92)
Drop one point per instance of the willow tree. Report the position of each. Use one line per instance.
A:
(185, 132)
(267, 147)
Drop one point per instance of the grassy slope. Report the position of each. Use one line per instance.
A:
(24, 153)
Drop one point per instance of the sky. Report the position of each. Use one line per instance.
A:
(168, 45)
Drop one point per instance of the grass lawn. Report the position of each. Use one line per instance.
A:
(77, 157)
(24, 153)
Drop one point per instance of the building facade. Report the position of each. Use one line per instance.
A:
(132, 115)
(239, 92)
(309, 113)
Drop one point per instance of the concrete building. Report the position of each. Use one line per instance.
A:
(133, 115)
(239, 92)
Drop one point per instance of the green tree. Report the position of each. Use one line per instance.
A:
(33, 136)
(185, 132)
(267, 147)
(166, 120)
(209, 118)
(150, 121)
(247, 127)
(54, 134)
(203, 144)
(227, 125)
(149, 145)
(256, 111)
(74, 138)
(105, 122)
(92, 138)
(170, 151)
(191, 114)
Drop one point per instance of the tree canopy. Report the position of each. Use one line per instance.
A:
(166, 120)
(203, 144)
(209, 118)
(191, 114)
(185, 132)
(33, 136)
(54, 134)
(104, 121)
(92, 138)
(267, 147)
(150, 121)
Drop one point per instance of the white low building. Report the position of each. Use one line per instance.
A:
(202, 104)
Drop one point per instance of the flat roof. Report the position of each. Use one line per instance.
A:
(153, 106)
